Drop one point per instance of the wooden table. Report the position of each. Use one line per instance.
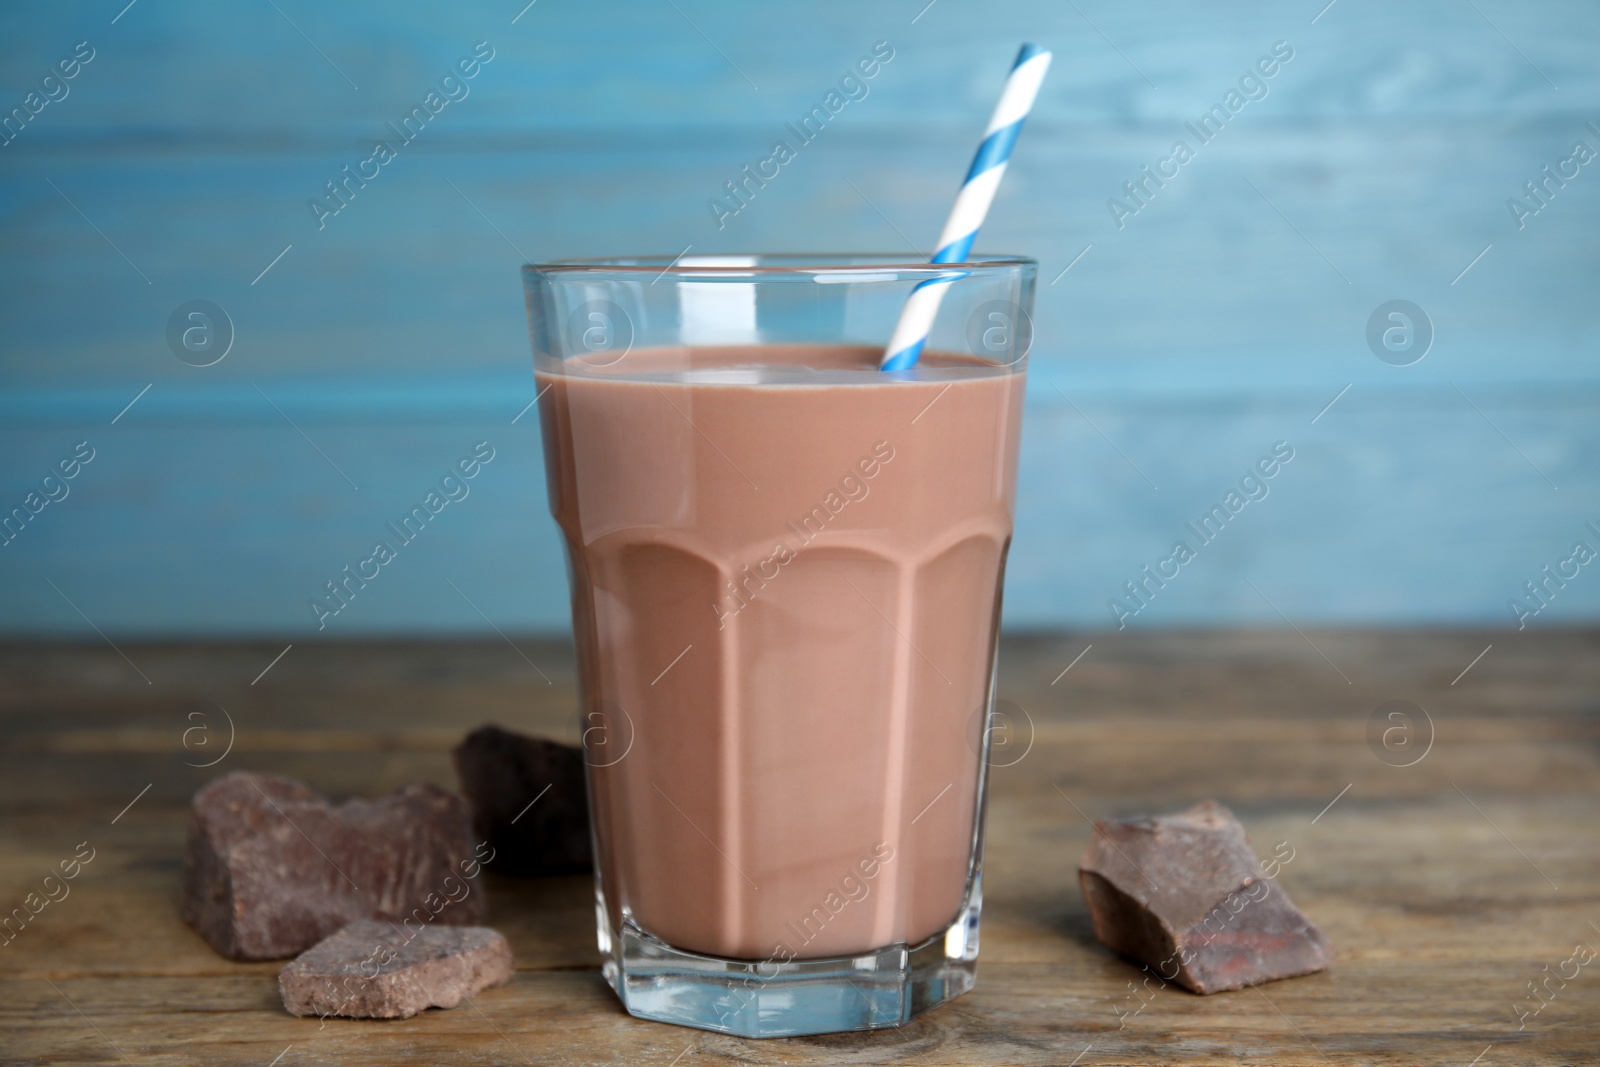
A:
(1445, 886)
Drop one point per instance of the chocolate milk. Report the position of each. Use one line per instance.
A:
(785, 571)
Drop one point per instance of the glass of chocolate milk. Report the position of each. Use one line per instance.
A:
(785, 568)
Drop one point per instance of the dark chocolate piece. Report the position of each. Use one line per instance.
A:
(372, 970)
(273, 868)
(1185, 894)
(529, 801)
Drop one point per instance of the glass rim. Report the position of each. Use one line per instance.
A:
(777, 264)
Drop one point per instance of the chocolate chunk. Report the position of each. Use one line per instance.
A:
(1185, 894)
(372, 970)
(528, 800)
(273, 868)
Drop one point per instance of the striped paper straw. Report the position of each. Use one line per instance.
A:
(972, 204)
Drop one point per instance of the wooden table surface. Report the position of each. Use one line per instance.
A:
(1445, 886)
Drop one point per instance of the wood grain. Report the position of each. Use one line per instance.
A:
(1437, 883)
(1194, 336)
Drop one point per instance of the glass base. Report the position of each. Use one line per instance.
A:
(886, 987)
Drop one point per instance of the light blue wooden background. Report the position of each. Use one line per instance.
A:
(1221, 319)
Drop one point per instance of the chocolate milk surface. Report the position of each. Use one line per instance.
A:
(785, 569)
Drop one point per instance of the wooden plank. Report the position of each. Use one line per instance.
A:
(1156, 62)
(1205, 288)
(1437, 883)
(1391, 511)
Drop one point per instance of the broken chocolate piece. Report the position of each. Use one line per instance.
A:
(1185, 894)
(371, 970)
(272, 867)
(528, 800)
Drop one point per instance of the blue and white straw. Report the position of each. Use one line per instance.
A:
(972, 204)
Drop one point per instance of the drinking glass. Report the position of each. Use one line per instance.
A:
(785, 569)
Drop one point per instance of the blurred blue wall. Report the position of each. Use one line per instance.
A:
(1220, 317)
